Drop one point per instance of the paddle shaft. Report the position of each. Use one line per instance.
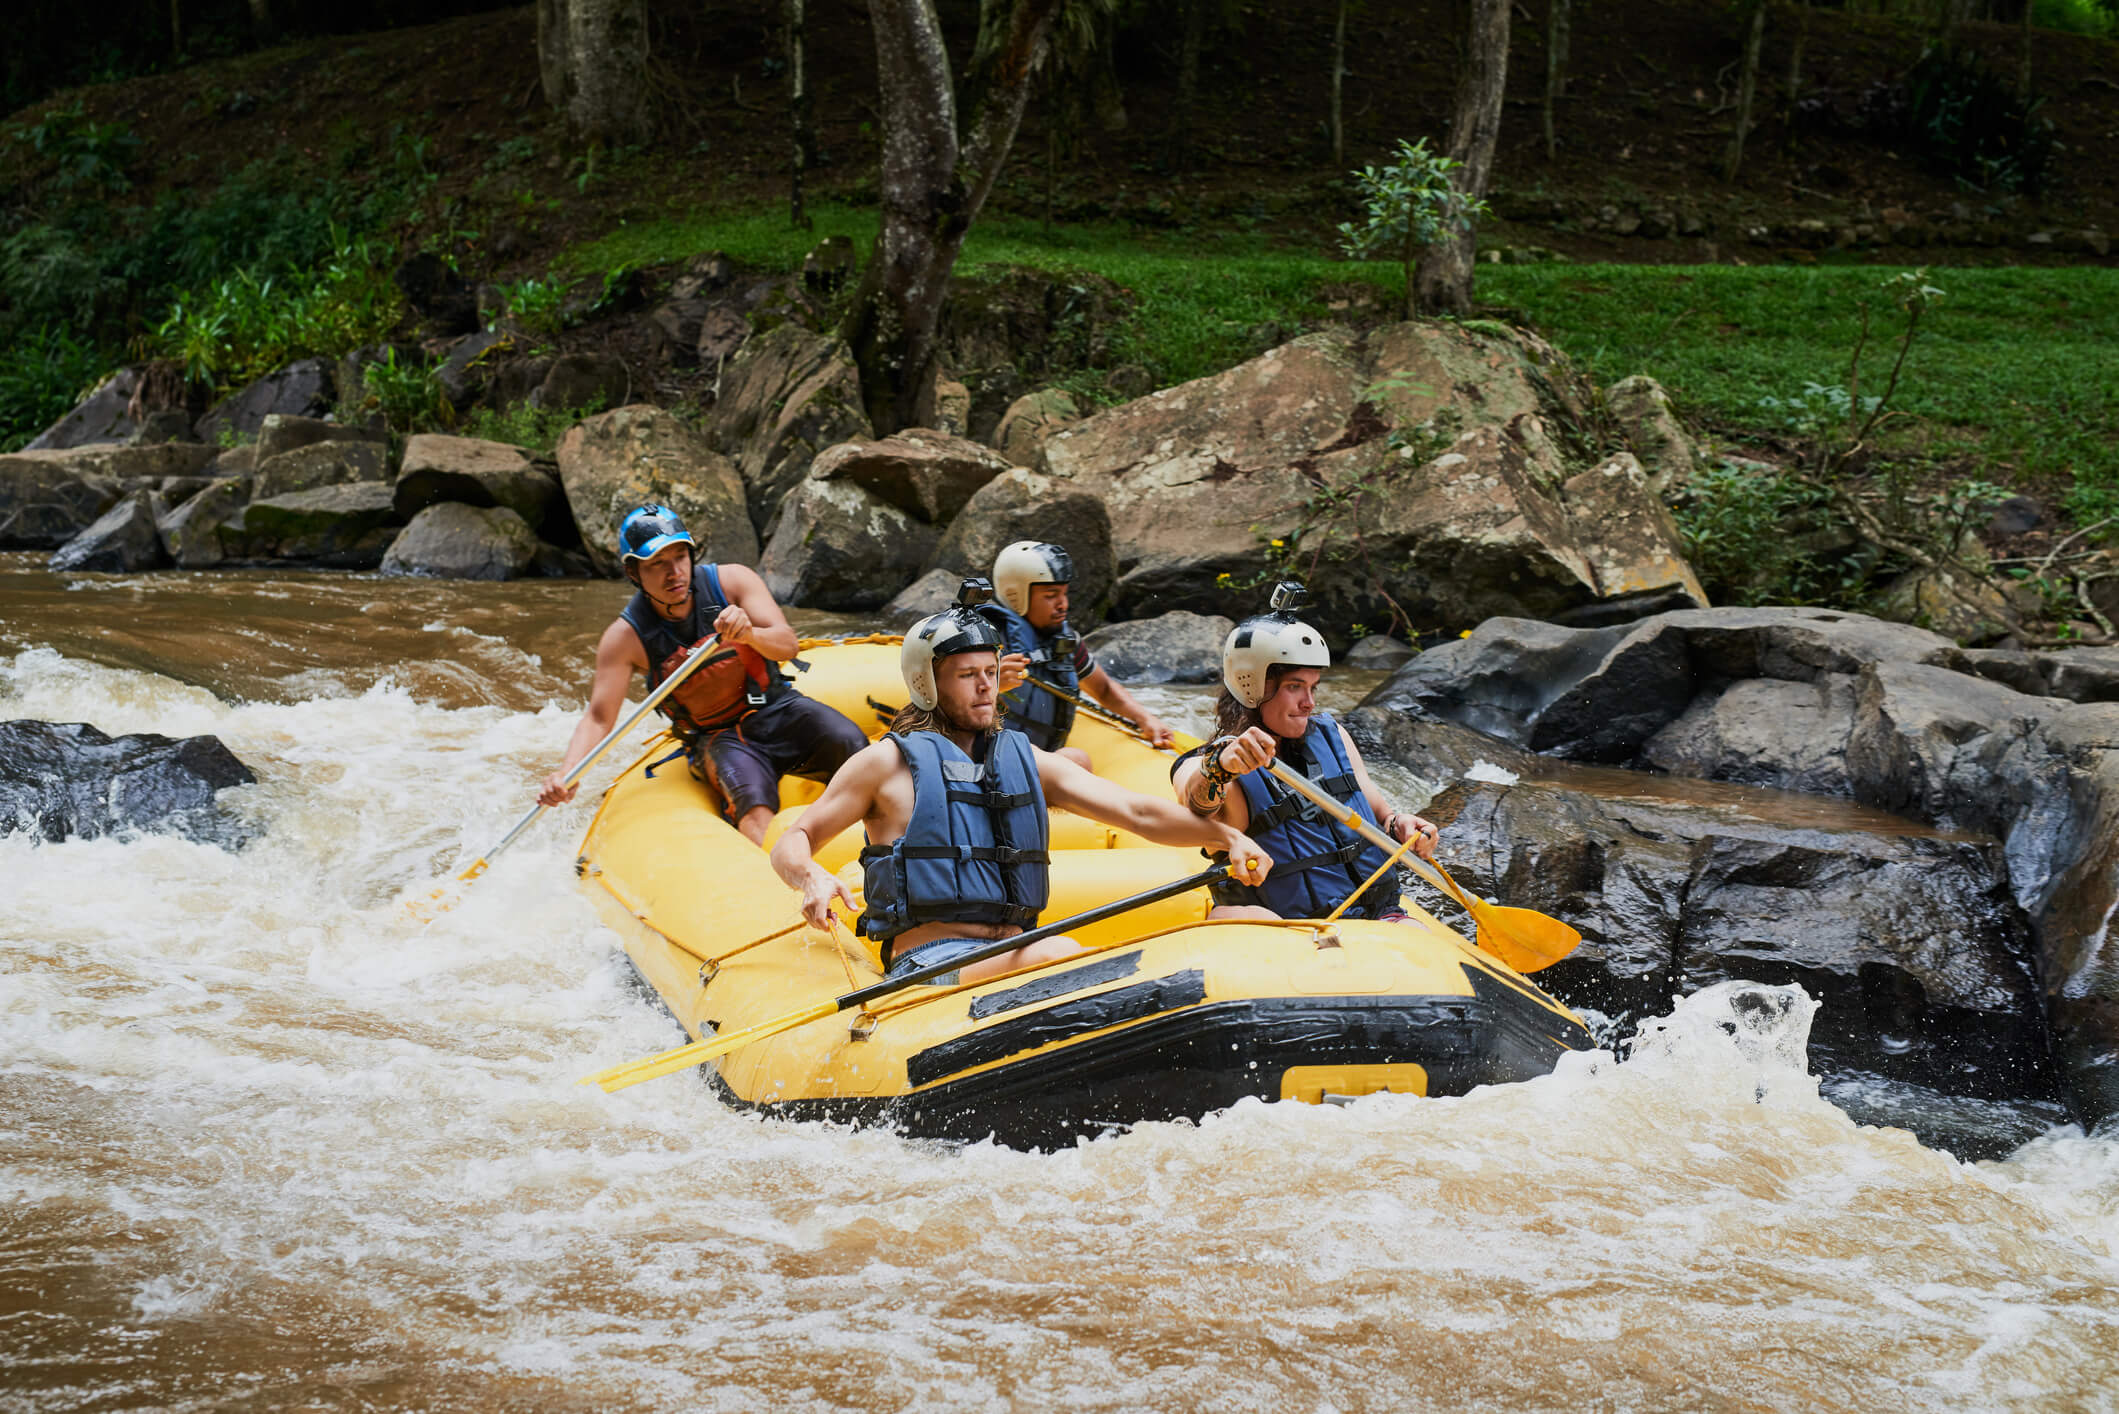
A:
(699, 1052)
(648, 704)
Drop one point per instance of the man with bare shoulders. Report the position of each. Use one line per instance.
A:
(955, 814)
(743, 724)
(1271, 665)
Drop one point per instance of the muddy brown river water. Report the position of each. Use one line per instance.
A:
(268, 1142)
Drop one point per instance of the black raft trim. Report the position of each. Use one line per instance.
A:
(1058, 1023)
(1057, 984)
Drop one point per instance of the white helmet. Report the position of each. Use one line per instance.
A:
(958, 629)
(1260, 642)
(1029, 562)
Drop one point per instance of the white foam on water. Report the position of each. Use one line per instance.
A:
(251, 1094)
(1487, 773)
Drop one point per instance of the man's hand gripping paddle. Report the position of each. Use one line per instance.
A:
(1521, 937)
(698, 1052)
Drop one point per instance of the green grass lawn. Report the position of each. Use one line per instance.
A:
(2018, 368)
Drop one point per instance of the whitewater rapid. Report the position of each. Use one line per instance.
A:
(269, 1140)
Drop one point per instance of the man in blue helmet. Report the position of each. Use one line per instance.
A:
(954, 809)
(743, 724)
(1030, 581)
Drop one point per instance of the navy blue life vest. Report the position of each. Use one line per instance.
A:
(1043, 718)
(720, 693)
(1317, 862)
(974, 849)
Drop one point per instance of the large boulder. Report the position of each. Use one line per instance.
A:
(129, 463)
(105, 415)
(45, 501)
(2078, 674)
(837, 545)
(638, 455)
(1024, 505)
(1173, 647)
(455, 541)
(1657, 439)
(592, 380)
(931, 593)
(475, 472)
(341, 527)
(1029, 422)
(316, 464)
(470, 364)
(304, 388)
(1908, 936)
(70, 781)
(191, 531)
(284, 432)
(929, 474)
(122, 540)
(1429, 448)
(785, 397)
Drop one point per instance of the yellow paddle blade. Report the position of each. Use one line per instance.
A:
(477, 867)
(618, 1077)
(1524, 938)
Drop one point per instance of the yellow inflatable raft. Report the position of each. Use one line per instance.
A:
(1168, 1016)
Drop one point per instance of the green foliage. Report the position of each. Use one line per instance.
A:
(534, 429)
(1817, 411)
(87, 155)
(408, 395)
(43, 373)
(1966, 122)
(1758, 535)
(1408, 203)
(2097, 18)
(246, 324)
(535, 304)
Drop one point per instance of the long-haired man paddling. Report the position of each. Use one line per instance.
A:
(955, 813)
(1271, 665)
(742, 722)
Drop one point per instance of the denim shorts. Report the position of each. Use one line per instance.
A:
(940, 950)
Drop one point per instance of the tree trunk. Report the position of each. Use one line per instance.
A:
(555, 69)
(1795, 59)
(1195, 34)
(798, 108)
(1445, 278)
(933, 187)
(176, 29)
(1338, 84)
(2023, 70)
(606, 44)
(1747, 86)
(1557, 22)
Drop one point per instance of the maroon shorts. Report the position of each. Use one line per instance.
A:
(792, 735)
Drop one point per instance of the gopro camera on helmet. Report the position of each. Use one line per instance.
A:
(974, 592)
(1288, 596)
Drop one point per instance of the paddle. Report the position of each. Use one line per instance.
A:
(684, 1057)
(699, 655)
(1521, 937)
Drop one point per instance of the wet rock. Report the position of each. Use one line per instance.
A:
(103, 416)
(931, 593)
(162, 425)
(70, 781)
(126, 464)
(340, 527)
(1764, 732)
(471, 361)
(283, 432)
(837, 545)
(928, 474)
(455, 541)
(1173, 647)
(476, 472)
(191, 532)
(1652, 430)
(1023, 505)
(723, 328)
(1927, 741)
(1030, 421)
(45, 501)
(637, 455)
(319, 464)
(304, 388)
(122, 540)
(944, 406)
(1908, 936)
(591, 381)
(1379, 652)
(554, 562)
(785, 397)
(514, 381)
(1462, 524)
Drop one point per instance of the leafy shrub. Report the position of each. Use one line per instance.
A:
(246, 324)
(1961, 121)
(535, 304)
(1761, 536)
(86, 155)
(1407, 206)
(409, 396)
(536, 429)
(42, 375)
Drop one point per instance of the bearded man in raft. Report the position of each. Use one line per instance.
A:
(955, 813)
(1270, 667)
(742, 722)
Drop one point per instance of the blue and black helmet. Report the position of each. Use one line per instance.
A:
(647, 529)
